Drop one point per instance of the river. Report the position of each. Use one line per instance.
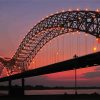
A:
(71, 91)
(53, 92)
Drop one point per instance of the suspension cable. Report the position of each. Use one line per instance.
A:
(63, 46)
(70, 45)
(57, 53)
(77, 43)
(86, 43)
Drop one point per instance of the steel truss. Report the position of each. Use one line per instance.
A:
(49, 28)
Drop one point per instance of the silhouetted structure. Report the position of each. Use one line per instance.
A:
(49, 28)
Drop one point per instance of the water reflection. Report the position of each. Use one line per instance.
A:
(46, 92)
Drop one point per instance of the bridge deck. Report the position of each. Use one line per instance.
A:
(80, 62)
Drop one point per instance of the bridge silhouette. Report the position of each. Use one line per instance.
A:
(89, 60)
(44, 31)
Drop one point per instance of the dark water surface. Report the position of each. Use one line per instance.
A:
(53, 92)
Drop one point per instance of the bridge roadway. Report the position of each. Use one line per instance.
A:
(79, 62)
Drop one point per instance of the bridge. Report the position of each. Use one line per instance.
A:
(51, 27)
(75, 63)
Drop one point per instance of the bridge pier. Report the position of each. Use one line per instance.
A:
(23, 85)
(9, 87)
(16, 91)
(75, 82)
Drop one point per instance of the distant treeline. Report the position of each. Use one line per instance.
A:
(41, 87)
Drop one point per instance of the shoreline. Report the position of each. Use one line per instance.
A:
(54, 97)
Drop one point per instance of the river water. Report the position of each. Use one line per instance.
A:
(71, 91)
(53, 92)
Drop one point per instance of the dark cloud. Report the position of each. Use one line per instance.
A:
(94, 74)
(46, 81)
(97, 68)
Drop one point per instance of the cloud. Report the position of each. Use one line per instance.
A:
(46, 81)
(97, 68)
(94, 74)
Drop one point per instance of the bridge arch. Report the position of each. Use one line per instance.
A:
(51, 27)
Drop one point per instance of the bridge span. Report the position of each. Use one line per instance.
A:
(43, 32)
(74, 63)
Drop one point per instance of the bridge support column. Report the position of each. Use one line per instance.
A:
(23, 85)
(75, 82)
(9, 87)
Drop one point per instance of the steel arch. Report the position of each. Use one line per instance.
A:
(51, 27)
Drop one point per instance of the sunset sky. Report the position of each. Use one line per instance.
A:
(17, 17)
